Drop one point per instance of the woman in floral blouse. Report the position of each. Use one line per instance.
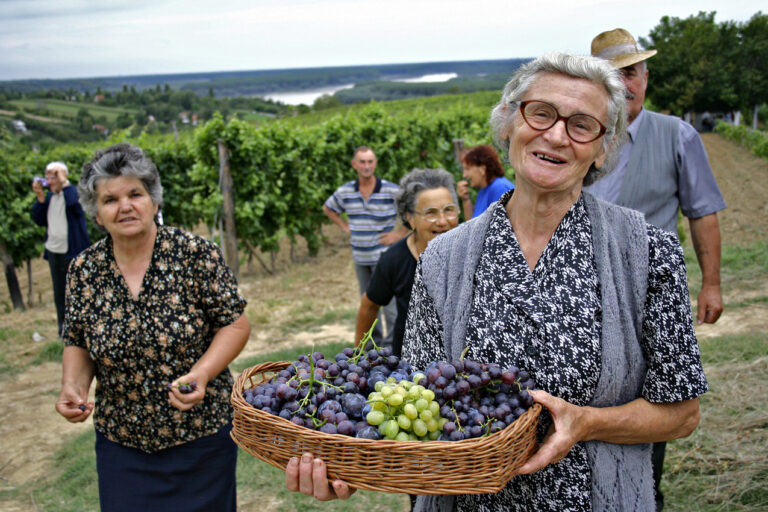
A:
(586, 296)
(153, 313)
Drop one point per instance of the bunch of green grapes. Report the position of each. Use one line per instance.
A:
(405, 411)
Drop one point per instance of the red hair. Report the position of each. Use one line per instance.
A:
(484, 155)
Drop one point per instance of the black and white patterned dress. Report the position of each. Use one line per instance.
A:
(548, 321)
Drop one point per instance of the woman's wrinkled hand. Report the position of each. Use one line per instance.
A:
(568, 427)
(309, 476)
(73, 404)
(186, 401)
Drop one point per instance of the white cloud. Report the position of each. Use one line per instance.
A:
(48, 38)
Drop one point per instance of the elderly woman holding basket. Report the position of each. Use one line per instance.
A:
(153, 314)
(584, 295)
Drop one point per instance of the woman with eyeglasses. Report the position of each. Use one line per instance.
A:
(426, 204)
(483, 171)
(586, 296)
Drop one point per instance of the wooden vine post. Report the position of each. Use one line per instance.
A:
(11, 279)
(458, 149)
(228, 209)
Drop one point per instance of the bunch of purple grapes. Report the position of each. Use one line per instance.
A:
(478, 399)
(330, 395)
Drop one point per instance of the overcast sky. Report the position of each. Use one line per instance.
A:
(88, 38)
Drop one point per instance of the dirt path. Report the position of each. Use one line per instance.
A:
(31, 431)
(743, 180)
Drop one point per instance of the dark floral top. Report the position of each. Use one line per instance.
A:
(139, 346)
(548, 321)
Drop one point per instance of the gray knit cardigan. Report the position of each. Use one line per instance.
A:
(621, 474)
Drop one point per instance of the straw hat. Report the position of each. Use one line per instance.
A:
(620, 48)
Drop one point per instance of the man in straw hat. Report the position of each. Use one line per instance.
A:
(663, 167)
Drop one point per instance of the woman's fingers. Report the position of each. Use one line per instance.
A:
(562, 435)
(545, 399)
(323, 491)
(72, 405)
(306, 483)
(309, 475)
(73, 411)
(186, 400)
(342, 490)
(547, 453)
(292, 475)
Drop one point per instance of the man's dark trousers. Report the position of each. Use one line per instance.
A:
(59, 263)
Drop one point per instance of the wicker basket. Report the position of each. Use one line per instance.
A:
(473, 466)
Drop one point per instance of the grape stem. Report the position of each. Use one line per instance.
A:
(457, 422)
(360, 349)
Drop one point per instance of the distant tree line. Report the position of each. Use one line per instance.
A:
(706, 66)
(260, 82)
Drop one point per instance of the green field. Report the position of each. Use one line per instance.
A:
(69, 109)
(252, 117)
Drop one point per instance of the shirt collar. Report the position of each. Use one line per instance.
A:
(376, 189)
(635, 126)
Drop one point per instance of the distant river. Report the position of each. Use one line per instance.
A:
(437, 77)
(307, 97)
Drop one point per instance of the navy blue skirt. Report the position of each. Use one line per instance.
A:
(198, 476)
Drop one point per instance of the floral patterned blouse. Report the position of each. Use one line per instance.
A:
(139, 346)
(548, 321)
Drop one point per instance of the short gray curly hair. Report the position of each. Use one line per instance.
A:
(415, 182)
(593, 69)
(118, 160)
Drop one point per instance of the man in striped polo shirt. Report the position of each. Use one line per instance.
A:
(369, 203)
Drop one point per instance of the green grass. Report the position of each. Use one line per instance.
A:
(73, 486)
(69, 108)
(7, 335)
(723, 465)
(252, 117)
(257, 482)
(303, 319)
(51, 352)
(741, 268)
(735, 348)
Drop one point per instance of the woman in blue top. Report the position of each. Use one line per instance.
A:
(482, 170)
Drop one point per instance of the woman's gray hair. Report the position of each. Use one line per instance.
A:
(593, 69)
(119, 160)
(415, 182)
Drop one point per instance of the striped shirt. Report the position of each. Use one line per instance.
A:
(367, 219)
